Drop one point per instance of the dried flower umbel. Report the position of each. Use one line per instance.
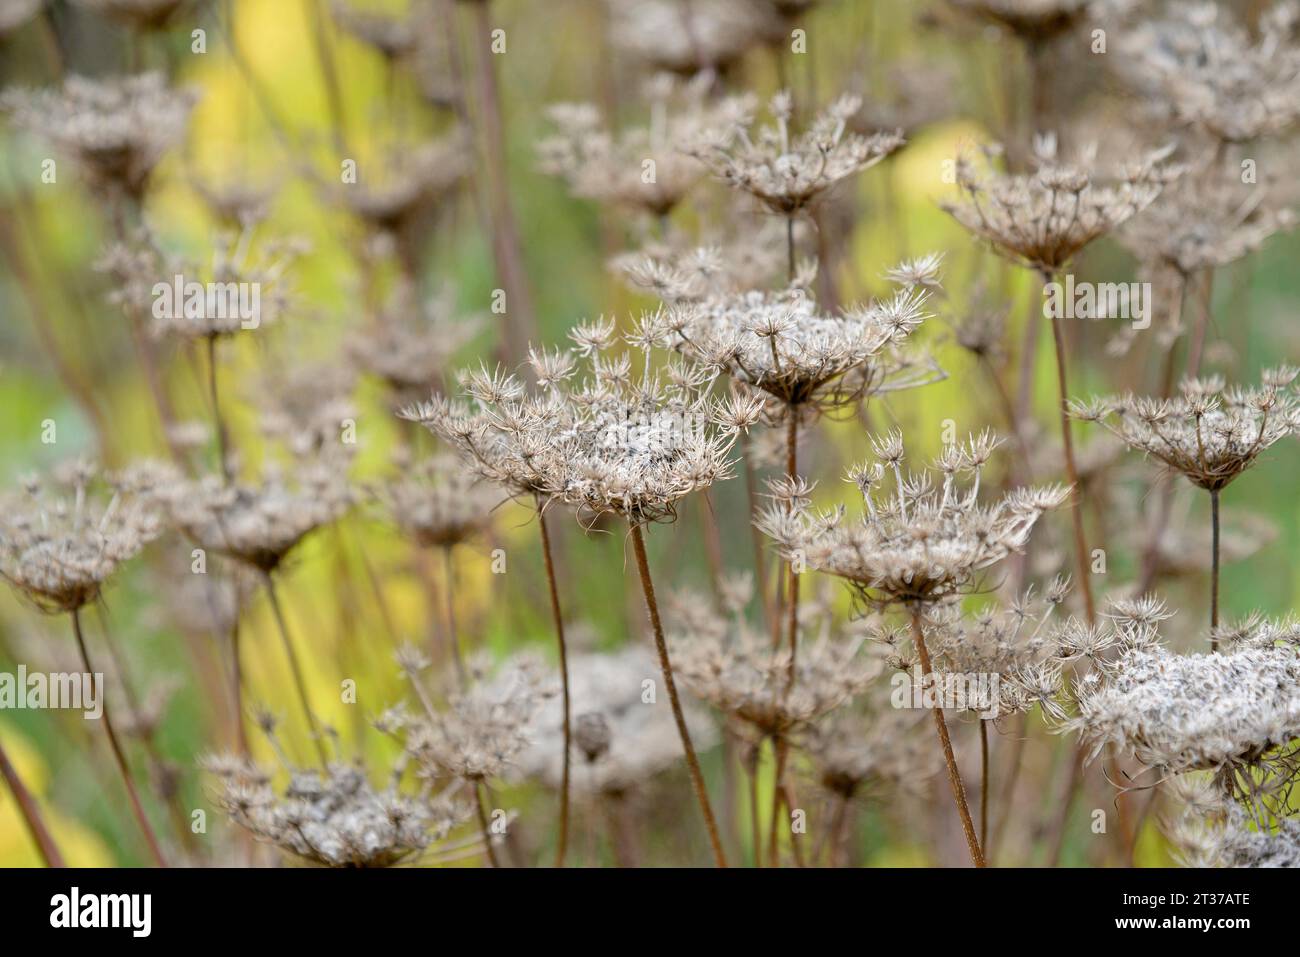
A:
(688, 38)
(1042, 221)
(61, 539)
(766, 691)
(398, 201)
(411, 343)
(1234, 712)
(642, 169)
(919, 546)
(1213, 73)
(336, 817)
(782, 344)
(785, 172)
(116, 129)
(625, 741)
(483, 731)
(435, 503)
(922, 544)
(260, 524)
(1235, 840)
(1209, 433)
(681, 273)
(58, 553)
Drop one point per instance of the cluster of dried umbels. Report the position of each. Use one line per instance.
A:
(956, 592)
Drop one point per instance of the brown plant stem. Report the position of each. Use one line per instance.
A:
(773, 834)
(213, 395)
(712, 544)
(1196, 348)
(789, 248)
(1214, 568)
(31, 814)
(984, 786)
(558, 620)
(1071, 468)
(237, 680)
(760, 561)
(137, 808)
(449, 603)
(755, 830)
(954, 775)
(792, 610)
(483, 825)
(506, 244)
(661, 646)
(295, 667)
(1007, 796)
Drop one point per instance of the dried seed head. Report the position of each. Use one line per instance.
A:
(115, 129)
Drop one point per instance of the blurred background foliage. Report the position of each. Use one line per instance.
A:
(57, 329)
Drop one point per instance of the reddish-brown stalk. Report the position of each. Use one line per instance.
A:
(1214, 569)
(558, 620)
(31, 813)
(756, 536)
(137, 808)
(481, 811)
(449, 604)
(1071, 468)
(506, 244)
(661, 646)
(954, 775)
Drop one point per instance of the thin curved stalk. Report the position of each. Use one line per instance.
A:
(1214, 568)
(661, 646)
(558, 619)
(223, 449)
(137, 808)
(1071, 468)
(483, 825)
(31, 813)
(984, 786)
(760, 562)
(773, 835)
(792, 610)
(954, 775)
(296, 668)
(449, 595)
